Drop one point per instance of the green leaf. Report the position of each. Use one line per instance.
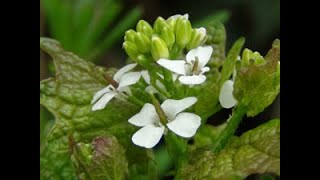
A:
(55, 164)
(257, 83)
(105, 11)
(256, 151)
(207, 135)
(68, 97)
(229, 62)
(116, 33)
(104, 158)
(69, 94)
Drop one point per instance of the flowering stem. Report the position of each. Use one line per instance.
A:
(177, 148)
(154, 84)
(168, 80)
(161, 114)
(233, 124)
(135, 101)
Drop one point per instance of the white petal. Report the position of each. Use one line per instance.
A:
(202, 52)
(204, 70)
(103, 101)
(117, 76)
(226, 97)
(191, 80)
(172, 107)
(148, 136)
(100, 93)
(125, 89)
(129, 79)
(147, 115)
(185, 124)
(202, 31)
(146, 76)
(176, 66)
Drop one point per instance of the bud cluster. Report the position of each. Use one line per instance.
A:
(166, 37)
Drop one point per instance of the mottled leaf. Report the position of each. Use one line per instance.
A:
(256, 151)
(104, 158)
(257, 83)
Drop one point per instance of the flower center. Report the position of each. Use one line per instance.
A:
(111, 81)
(192, 68)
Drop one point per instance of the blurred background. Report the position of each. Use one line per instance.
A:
(94, 29)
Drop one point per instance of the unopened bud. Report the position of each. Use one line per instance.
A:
(142, 42)
(159, 48)
(167, 35)
(131, 49)
(159, 24)
(183, 32)
(173, 19)
(145, 28)
(129, 35)
(197, 37)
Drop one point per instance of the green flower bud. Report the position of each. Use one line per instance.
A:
(173, 19)
(129, 35)
(145, 28)
(159, 48)
(183, 32)
(197, 38)
(131, 49)
(168, 36)
(142, 42)
(84, 151)
(249, 57)
(159, 24)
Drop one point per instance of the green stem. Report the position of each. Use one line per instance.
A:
(135, 101)
(159, 110)
(153, 78)
(233, 124)
(168, 81)
(177, 149)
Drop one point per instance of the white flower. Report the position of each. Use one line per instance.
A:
(150, 88)
(125, 79)
(181, 123)
(191, 69)
(226, 97)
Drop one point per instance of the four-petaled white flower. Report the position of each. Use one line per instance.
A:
(184, 124)
(191, 69)
(124, 78)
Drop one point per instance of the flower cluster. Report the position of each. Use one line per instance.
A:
(158, 53)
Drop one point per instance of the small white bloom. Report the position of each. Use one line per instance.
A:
(181, 123)
(226, 97)
(150, 88)
(125, 79)
(191, 69)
